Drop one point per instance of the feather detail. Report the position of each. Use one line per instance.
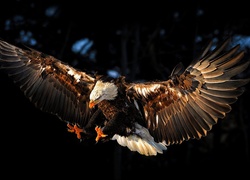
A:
(141, 141)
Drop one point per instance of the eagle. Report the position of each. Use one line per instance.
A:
(145, 117)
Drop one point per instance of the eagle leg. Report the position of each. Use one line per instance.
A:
(96, 118)
(75, 129)
(99, 133)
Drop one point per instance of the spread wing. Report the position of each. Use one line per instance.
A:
(50, 84)
(189, 103)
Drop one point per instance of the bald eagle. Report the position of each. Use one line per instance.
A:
(146, 117)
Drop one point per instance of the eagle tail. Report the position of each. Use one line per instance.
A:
(141, 141)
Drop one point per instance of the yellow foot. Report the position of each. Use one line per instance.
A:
(75, 129)
(99, 133)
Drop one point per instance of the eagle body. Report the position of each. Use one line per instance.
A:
(146, 117)
(124, 121)
(116, 113)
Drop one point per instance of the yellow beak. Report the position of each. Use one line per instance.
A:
(91, 104)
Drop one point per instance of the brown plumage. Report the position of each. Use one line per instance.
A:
(146, 117)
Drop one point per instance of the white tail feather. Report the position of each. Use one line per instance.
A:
(141, 141)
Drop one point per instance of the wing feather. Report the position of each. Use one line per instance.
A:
(188, 104)
(204, 119)
(196, 119)
(50, 84)
(192, 124)
(211, 114)
(186, 129)
(177, 129)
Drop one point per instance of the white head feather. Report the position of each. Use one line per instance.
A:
(103, 91)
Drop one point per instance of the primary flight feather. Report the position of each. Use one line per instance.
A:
(145, 117)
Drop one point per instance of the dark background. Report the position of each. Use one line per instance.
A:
(143, 41)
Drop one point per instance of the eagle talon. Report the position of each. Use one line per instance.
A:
(99, 133)
(75, 129)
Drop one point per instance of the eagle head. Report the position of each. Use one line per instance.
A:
(102, 91)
